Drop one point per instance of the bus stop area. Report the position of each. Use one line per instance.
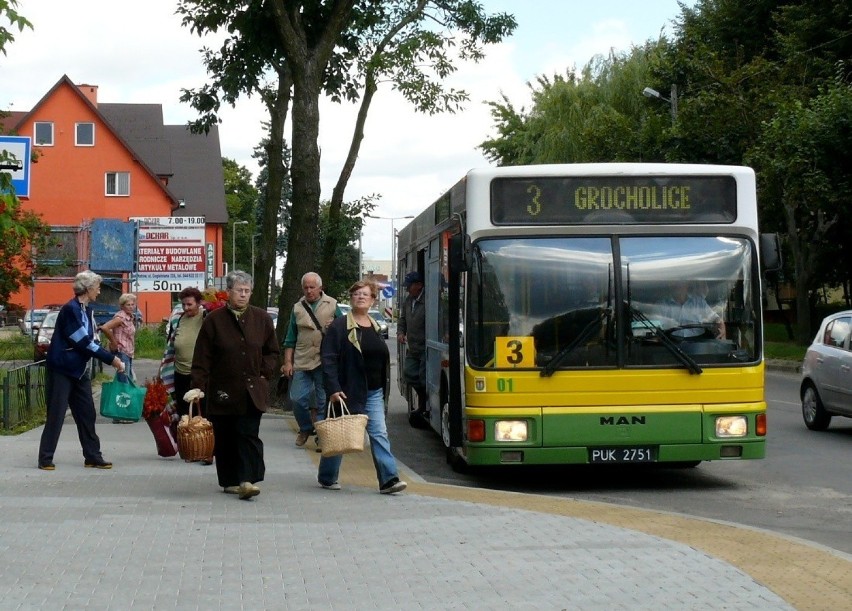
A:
(159, 533)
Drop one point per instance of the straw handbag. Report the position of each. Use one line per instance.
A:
(195, 436)
(341, 434)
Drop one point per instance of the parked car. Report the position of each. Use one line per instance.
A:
(273, 314)
(826, 388)
(345, 308)
(44, 335)
(105, 311)
(32, 319)
(383, 322)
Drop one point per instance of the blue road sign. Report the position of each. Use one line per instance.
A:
(388, 292)
(15, 160)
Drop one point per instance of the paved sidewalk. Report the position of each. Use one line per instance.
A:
(159, 533)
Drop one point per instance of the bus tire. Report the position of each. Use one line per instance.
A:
(454, 459)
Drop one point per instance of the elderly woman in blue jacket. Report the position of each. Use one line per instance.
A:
(69, 384)
(355, 363)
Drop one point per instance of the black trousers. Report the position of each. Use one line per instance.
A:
(238, 448)
(183, 383)
(63, 392)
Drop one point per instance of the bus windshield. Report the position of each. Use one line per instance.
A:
(615, 301)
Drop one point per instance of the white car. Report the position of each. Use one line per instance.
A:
(826, 388)
(32, 320)
(383, 323)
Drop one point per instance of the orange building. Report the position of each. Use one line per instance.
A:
(98, 161)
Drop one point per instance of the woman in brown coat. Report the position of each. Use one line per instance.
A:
(235, 356)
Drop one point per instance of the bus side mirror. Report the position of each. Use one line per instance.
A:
(770, 252)
(459, 260)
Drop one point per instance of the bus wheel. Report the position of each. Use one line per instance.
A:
(455, 461)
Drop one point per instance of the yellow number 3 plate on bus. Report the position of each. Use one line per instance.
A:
(515, 352)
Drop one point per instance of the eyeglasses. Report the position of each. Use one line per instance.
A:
(362, 294)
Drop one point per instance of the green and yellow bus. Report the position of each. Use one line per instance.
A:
(593, 314)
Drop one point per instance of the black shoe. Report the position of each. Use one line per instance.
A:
(97, 464)
(392, 486)
(419, 419)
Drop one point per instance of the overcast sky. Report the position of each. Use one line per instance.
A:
(137, 52)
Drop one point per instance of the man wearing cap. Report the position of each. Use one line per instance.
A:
(411, 330)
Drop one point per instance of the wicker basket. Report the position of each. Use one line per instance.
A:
(195, 436)
(343, 434)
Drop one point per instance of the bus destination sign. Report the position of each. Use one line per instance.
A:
(613, 200)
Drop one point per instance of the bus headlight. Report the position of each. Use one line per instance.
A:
(510, 430)
(731, 426)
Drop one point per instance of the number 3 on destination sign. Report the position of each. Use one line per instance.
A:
(515, 352)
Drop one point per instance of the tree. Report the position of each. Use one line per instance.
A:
(340, 48)
(800, 161)
(241, 201)
(596, 115)
(22, 231)
(9, 12)
(248, 63)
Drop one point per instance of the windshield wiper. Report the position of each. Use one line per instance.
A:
(665, 340)
(585, 333)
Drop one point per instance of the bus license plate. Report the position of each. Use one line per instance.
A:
(621, 455)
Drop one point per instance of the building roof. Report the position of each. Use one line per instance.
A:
(141, 127)
(188, 166)
(198, 179)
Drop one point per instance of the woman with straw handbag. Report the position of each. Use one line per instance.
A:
(355, 362)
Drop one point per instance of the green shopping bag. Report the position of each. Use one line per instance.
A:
(122, 400)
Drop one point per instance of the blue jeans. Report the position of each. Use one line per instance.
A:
(128, 368)
(305, 386)
(377, 431)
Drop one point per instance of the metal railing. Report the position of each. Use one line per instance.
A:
(23, 393)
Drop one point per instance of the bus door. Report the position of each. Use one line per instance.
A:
(435, 346)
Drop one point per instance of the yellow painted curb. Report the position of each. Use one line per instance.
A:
(806, 576)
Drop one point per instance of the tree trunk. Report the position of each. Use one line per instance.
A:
(305, 173)
(265, 245)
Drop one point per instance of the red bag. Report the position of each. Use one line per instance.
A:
(160, 426)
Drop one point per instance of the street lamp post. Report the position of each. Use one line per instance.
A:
(393, 241)
(234, 243)
(253, 240)
(672, 101)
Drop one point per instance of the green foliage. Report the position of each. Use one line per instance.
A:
(346, 235)
(150, 343)
(785, 351)
(23, 232)
(592, 116)
(14, 346)
(9, 14)
(242, 201)
(342, 50)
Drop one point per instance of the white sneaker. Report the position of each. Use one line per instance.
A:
(334, 486)
(231, 489)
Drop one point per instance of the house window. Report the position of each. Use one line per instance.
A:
(118, 183)
(85, 134)
(43, 133)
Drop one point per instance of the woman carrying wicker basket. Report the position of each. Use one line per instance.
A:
(235, 356)
(355, 363)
